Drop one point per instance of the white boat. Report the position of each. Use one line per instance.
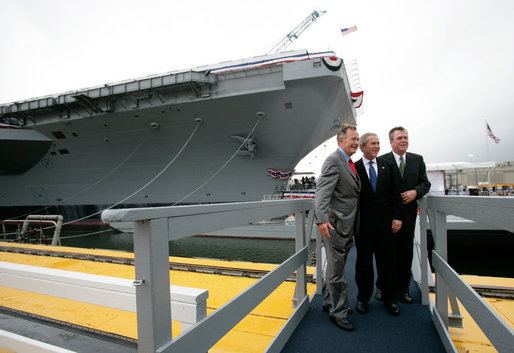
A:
(211, 134)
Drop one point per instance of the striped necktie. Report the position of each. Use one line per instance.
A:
(372, 176)
(402, 166)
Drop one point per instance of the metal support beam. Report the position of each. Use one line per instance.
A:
(424, 251)
(441, 248)
(152, 284)
(301, 272)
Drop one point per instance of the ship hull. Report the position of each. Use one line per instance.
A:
(183, 144)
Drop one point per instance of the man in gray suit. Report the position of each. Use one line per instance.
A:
(336, 202)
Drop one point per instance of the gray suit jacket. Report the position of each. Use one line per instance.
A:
(337, 195)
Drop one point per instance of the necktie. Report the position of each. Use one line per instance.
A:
(402, 166)
(372, 176)
(352, 165)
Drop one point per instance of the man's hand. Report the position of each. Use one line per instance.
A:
(323, 229)
(408, 196)
(396, 226)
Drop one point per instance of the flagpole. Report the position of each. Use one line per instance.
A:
(486, 141)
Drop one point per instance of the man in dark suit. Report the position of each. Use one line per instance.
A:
(414, 185)
(336, 205)
(380, 218)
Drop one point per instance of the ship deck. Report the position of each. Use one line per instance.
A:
(376, 331)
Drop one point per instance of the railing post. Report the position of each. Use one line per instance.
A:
(152, 283)
(441, 288)
(319, 263)
(424, 250)
(301, 272)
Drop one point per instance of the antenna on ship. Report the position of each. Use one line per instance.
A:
(296, 32)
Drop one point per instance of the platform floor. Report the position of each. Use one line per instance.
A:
(259, 327)
(375, 332)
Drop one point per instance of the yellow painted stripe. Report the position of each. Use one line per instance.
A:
(260, 327)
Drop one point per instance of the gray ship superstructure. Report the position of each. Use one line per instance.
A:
(220, 133)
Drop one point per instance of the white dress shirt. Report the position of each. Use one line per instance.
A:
(366, 165)
(397, 159)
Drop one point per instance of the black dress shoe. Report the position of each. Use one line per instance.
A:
(393, 309)
(345, 324)
(362, 307)
(378, 296)
(405, 297)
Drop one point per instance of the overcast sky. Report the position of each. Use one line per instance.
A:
(440, 68)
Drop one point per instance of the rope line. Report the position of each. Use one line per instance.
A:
(96, 182)
(134, 193)
(157, 176)
(223, 166)
(144, 186)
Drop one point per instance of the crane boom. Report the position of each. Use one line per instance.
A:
(295, 33)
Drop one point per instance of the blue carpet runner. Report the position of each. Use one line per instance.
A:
(376, 331)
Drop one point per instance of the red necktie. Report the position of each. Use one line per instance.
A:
(352, 165)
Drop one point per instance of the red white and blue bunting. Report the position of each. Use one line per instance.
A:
(332, 63)
(8, 126)
(357, 99)
(277, 173)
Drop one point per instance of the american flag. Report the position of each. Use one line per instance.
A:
(345, 31)
(490, 133)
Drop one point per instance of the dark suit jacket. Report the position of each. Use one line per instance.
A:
(414, 178)
(378, 209)
(337, 194)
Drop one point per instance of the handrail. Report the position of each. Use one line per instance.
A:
(55, 220)
(488, 210)
(154, 227)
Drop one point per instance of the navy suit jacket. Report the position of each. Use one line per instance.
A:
(414, 178)
(378, 209)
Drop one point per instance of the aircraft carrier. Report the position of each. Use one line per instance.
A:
(228, 132)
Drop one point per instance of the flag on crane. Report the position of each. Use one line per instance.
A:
(490, 133)
(345, 31)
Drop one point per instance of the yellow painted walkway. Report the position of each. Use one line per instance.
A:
(470, 338)
(252, 334)
(259, 327)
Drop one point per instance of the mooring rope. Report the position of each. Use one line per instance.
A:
(95, 183)
(134, 193)
(223, 166)
(144, 186)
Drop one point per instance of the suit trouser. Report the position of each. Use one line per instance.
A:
(404, 247)
(404, 244)
(382, 245)
(336, 294)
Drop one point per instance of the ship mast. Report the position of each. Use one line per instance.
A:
(296, 32)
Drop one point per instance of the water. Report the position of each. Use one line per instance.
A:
(232, 249)
(484, 253)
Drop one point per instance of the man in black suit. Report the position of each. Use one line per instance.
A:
(380, 218)
(414, 186)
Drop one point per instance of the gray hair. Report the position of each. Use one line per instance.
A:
(397, 128)
(342, 130)
(363, 140)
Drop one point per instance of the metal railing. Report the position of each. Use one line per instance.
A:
(55, 220)
(155, 227)
(449, 286)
